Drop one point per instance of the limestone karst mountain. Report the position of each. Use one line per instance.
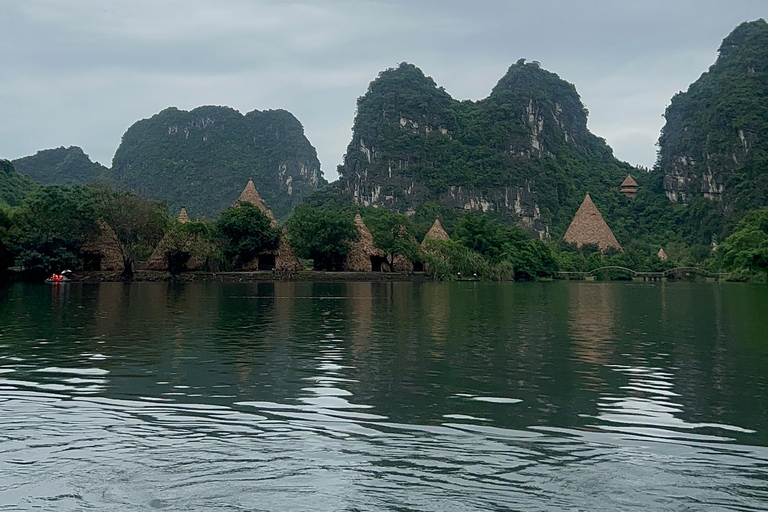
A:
(200, 158)
(715, 141)
(523, 153)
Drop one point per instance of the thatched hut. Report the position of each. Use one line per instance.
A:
(103, 251)
(285, 257)
(363, 256)
(400, 263)
(588, 227)
(251, 195)
(629, 187)
(183, 217)
(282, 259)
(662, 255)
(436, 232)
(179, 251)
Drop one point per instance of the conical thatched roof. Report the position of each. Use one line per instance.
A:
(360, 251)
(400, 263)
(629, 181)
(285, 257)
(662, 255)
(251, 195)
(175, 240)
(436, 232)
(183, 217)
(588, 227)
(107, 246)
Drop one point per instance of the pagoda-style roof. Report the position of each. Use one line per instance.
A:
(589, 227)
(183, 217)
(435, 232)
(662, 255)
(629, 182)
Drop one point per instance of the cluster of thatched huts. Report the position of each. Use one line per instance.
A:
(187, 250)
(182, 249)
(364, 256)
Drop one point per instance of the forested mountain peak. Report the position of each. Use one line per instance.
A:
(62, 166)
(522, 153)
(715, 141)
(201, 158)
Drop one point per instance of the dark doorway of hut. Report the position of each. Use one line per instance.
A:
(267, 262)
(377, 262)
(91, 261)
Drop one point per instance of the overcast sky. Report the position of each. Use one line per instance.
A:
(80, 72)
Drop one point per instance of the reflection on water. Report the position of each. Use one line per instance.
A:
(383, 396)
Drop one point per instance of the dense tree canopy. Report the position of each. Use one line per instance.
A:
(52, 225)
(13, 186)
(746, 250)
(393, 233)
(322, 234)
(246, 232)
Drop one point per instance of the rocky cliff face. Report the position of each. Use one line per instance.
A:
(202, 159)
(715, 140)
(523, 153)
(62, 166)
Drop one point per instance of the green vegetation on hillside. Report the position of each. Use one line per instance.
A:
(62, 166)
(715, 140)
(13, 186)
(200, 159)
(745, 252)
(412, 142)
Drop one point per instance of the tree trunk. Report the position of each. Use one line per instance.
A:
(127, 273)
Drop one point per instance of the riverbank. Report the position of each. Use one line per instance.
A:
(248, 277)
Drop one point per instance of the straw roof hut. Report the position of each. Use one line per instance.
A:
(183, 217)
(285, 257)
(361, 251)
(400, 263)
(251, 195)
(662, 255)
(629, 187)
(436, 232)
(588, 227)
(104, 250)
(191, 246)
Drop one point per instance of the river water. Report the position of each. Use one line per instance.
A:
(384, 396)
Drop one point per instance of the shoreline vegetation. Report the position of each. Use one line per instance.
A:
(104, 235)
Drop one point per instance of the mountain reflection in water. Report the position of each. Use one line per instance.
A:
(384, 396)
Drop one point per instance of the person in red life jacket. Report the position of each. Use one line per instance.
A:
(56, 278)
